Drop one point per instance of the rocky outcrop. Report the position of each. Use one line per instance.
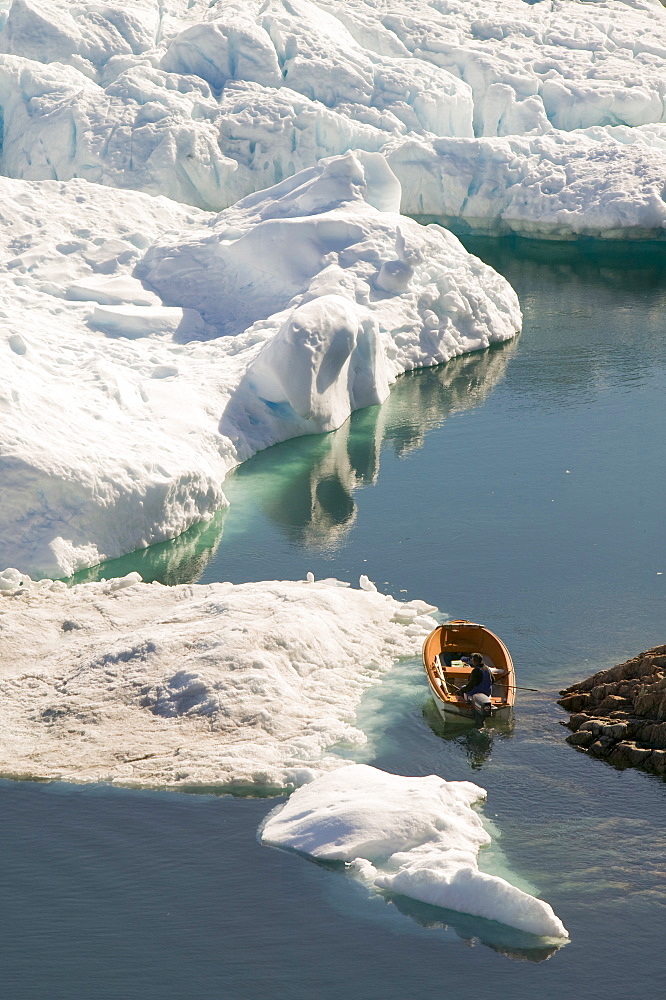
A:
(620, 714)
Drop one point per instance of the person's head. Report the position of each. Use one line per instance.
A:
(477, 660)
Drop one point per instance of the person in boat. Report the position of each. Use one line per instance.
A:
(480, 682)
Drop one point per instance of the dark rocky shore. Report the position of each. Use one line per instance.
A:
(620, 714)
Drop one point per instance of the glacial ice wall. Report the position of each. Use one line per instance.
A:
(559, 185)
(208, 102)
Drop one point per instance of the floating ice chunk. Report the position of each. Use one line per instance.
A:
(290, 274)
(11, 580)
(556, 186)
(71, 494)
(318, 252)
(119, 583)
(419, 837)
(411, 610)
(360, 811)
(451, 879)
(269, 325)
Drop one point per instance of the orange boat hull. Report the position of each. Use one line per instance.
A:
(463, 638)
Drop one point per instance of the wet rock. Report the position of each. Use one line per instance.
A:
(653, 735)
(582, 738)
(612, 703)
(657, 761)
(600, 747)
(576, 702)
(620, 714)
(629, 755)
(576, 721)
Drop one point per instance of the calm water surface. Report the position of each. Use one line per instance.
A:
(522, 487)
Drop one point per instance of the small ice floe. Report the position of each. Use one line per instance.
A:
(417, 837)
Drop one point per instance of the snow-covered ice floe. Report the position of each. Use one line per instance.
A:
(125, 403)
(417, 837)
(240, 686)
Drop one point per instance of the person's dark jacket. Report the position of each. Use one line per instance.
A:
(479, 679)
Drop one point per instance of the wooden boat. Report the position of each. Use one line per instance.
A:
(445, 645)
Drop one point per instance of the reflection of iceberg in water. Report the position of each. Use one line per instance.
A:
(306, 486)
(315, 506)
(310, 483)
(180, 560)
(422, 400)
(476, 930)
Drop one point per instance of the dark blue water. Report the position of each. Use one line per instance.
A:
(523, 487)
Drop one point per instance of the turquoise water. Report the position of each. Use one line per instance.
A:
(523, 487)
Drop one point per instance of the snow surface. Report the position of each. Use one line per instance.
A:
(418, 837)
(123, 409)
(244, 685)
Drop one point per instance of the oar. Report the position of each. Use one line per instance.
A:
(510, 687)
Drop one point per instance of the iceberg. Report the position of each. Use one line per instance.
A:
(417, 837)
(560, 185)
(208, 102)
(275, 318)
(244, 687)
